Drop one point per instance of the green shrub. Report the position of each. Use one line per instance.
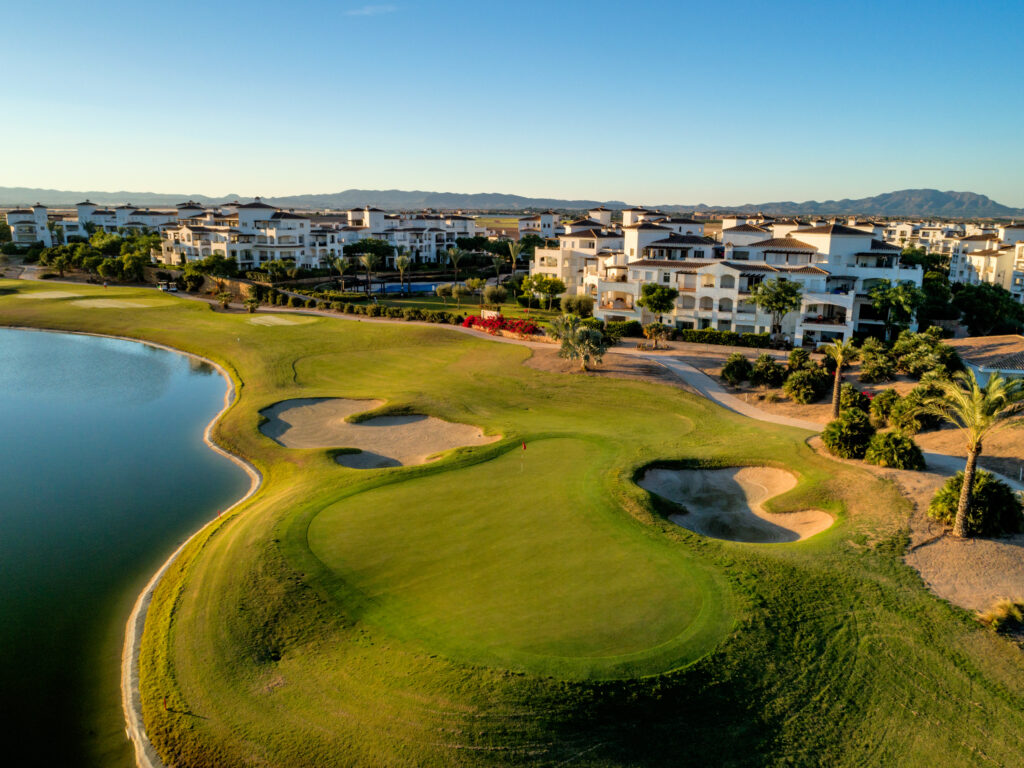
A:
(194, 281)
(722, 338)
(799, 359)
(583, 306)
(882, 404)
(894, 449)
(616, 330)
(295, 301)
(806, 385)
(593, 322)
(395, 312)
(906, 416)
(736, 369)
(849, 435)
(995, 508)
(850, 397)
(918, 353)
(495, 294)
(412, 313)
(311, 303)
(767, 372)
(337, 306)
(876, 362)
(349, 308)
(374, 310)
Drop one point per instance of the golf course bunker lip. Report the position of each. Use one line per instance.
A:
(282, 320)
(384, 441)
(122, 303)
(728, 503)
(47, 295)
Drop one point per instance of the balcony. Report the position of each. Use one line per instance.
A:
(819, 320)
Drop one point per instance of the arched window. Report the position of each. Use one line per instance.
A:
(728, 281)
(707, 281)
(725, 305)
(706, 302)
(688, 302)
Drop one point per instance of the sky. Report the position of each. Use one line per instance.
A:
(644, 102)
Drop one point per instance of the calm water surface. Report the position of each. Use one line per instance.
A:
(103, 472)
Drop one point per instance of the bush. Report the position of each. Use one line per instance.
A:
(493, 325)
(412, 314)
(799, 360)
(374, 310)
(766, 372)
(995, 508)
(876, 362)
(311, 303)
(337, 306)
(194, 281)
(394, 312)
(1004, 615)
(295, 301)
(882, 404)
(495, 294)
(736, 369)
(806, 385)
(849, 435)
(917, 353)
(594, 323)
(723, 338)
(616, 330)
(894, 449)
(583, 306)
(849, 397)
(905, 414)
(349, 309)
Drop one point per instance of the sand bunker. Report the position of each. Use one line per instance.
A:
(279, 320)
(122, 303)
(727, 503)
(47, 295)
(385, 441)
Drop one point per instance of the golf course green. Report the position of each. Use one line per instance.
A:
(511, 605)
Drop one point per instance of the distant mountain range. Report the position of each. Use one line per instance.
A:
(905, 202)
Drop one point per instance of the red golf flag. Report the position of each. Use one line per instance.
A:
(524, 445)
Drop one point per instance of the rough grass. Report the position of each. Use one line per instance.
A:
(396, 617)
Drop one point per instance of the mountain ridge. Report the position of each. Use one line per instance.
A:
(904, 202)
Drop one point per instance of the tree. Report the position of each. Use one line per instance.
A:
(444, 292)
(842, 353)
(459, 291)
(849, 435)
(655, 331)
(402, 263)
(514, 249)
(109, 269)
(495, 295)
(497, 262)
(341, 264)
(381, 248)
(657, 299)
(224, 297)
(252, 304)
(454, 257)
(474, 284)
(370, 262)
(551, 287)
(978, 411)
(988, 309)
(777, 298)
(897, 301)
(912, 256)
(60, 263)
(578, 341)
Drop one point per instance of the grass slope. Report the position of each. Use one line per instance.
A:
(469, 613)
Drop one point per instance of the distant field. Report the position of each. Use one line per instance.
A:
(497, 222)
(508, 607)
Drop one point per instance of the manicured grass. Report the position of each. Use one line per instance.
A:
(502, 607)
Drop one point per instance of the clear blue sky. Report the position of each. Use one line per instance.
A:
(646, 102)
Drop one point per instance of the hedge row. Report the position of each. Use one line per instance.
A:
(724, 338)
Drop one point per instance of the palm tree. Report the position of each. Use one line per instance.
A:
(370, 262)
(342, 265)
(978, 411)
(514, 249)
(497, 261)
(402, 262)
(578, 341)
(454, 256)
(842, 354)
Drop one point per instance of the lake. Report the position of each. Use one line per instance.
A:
(104, 474)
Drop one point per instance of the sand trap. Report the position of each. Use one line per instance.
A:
(122, 303)
(386, 441)
(727, 503)
(279, 320)
(47, 295)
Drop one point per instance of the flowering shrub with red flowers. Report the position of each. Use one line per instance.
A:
(493, 325)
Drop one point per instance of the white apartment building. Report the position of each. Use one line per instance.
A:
(30, 226)
(836, 266)
(542, 224)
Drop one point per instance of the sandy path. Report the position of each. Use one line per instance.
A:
(728, 503)
(385, 441)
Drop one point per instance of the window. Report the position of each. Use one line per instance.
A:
(728, 281)
(665, 278)
(698, 254)
(707, 281)
(741, 255)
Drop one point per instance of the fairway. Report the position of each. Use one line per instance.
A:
(546, 576)
(508, 607)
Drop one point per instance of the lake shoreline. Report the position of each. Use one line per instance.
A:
(131, 700)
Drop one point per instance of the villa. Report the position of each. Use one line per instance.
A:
(30, 226)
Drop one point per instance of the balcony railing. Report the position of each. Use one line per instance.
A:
(819, 320)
